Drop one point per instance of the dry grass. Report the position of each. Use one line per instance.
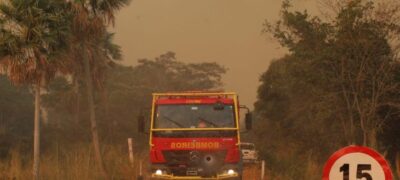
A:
(13, 167)
(70, 164)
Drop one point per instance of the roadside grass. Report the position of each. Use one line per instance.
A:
(72, 163)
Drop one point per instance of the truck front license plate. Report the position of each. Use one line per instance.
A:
(191, 172)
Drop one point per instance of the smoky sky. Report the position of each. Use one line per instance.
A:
(224, 31)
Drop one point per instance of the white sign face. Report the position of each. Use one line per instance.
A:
(357, 163)
(356, 166)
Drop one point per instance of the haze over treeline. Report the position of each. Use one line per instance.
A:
(337, 85)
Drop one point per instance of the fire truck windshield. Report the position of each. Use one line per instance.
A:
(194, 116)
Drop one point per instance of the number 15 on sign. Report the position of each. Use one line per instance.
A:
(356, 163)
(362, 171)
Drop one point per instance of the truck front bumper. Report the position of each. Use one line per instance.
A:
(170, 176)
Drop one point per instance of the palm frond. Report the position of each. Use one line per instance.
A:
(108, 8)
(32, 35)
(111, 49)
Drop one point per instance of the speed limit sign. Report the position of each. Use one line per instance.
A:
(357, 163)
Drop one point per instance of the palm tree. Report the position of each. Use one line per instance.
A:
(32, 34)
(92, 50)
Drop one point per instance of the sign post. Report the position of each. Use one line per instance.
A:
(357, 163)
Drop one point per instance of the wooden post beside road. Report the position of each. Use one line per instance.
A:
(130, 146)
(398, 164)
(262, 169)
(140, 177)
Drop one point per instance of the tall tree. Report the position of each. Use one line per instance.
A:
(32, 34)
(91, 18)
(354, 56)
(339, 78)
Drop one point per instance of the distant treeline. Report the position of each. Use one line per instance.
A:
(125, 93)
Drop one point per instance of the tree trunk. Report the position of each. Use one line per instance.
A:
(36, 134)
(372, 139)
(92, 114)
(365, 138)
(77, 99)
(104, 96)
(352, 136)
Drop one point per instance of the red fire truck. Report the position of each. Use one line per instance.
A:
(195, 135)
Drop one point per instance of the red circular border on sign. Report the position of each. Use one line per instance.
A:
(357, 149)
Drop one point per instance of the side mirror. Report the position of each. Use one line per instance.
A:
(141, 124)
(249, 121)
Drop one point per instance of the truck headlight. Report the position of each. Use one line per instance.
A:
(231, 172)
(158, 172)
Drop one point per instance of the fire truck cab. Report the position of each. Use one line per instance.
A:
(195, 135)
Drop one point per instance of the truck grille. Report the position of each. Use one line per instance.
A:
(206, 163)
(177, 157)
